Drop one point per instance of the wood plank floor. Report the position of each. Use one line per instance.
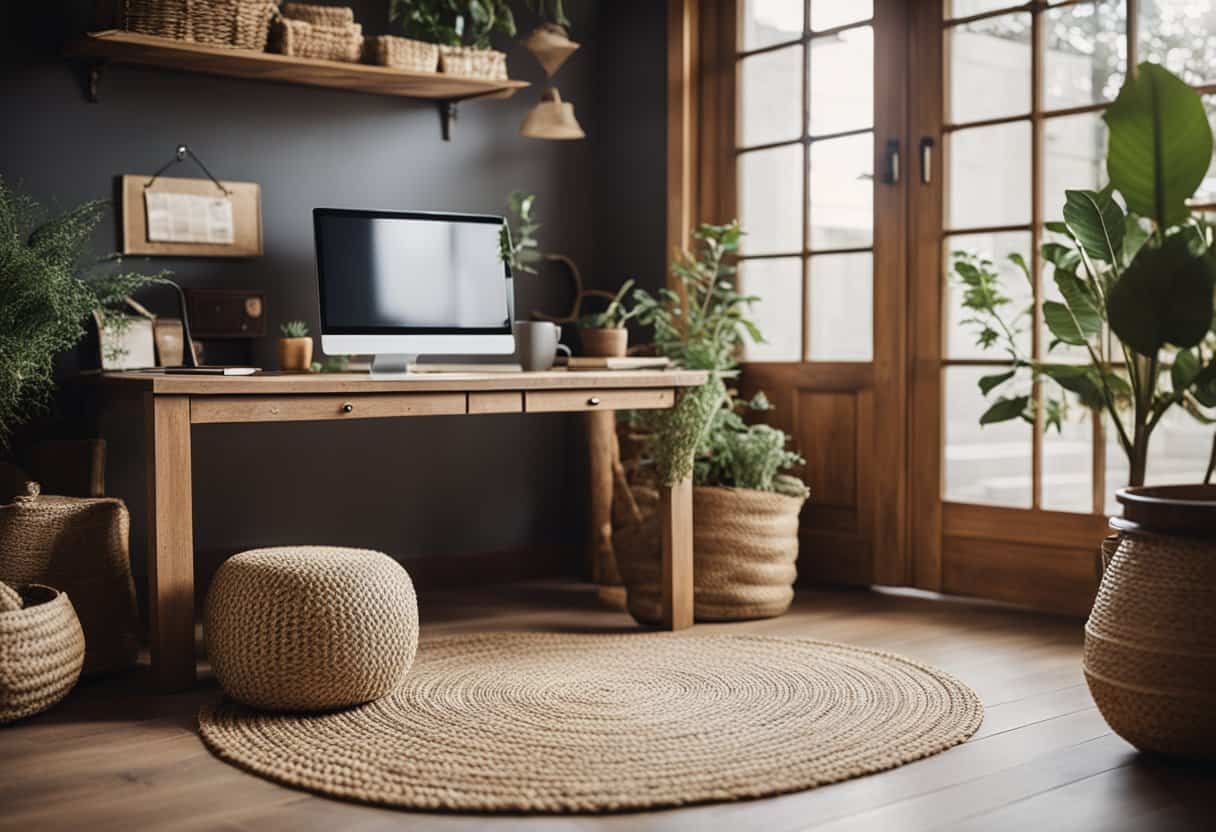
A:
(113, 757)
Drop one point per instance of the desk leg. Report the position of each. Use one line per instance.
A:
(170, 541)
(676, 511)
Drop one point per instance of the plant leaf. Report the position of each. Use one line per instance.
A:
(1005, 409)
(1164, 297)
(1097, 222)
(1077, 378)
(987, 383)
(1063, 324)
(1160, 144)
(1135, 235)
(1184, 371)
(1081, 303)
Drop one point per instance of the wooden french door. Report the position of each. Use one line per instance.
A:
(819, 159)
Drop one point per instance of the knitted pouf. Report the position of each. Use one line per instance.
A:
(310, 628)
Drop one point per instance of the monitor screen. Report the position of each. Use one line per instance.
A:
(410, 273)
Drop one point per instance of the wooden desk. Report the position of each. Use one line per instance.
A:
(172, 403)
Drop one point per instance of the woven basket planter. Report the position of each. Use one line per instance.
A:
(468, 62)
(301, 39)
(79, 544)
(319, 15)
(745, 548)
(401, 53)
(241, 24)
(41, 652)
(1150, 641)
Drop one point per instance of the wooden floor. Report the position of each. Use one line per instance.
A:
(115, 757)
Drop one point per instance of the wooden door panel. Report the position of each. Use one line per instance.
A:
(825, 433)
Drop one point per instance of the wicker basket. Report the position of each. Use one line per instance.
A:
(81, 546)
(401, 53)
(301, 39)
(241, 24)
(745, 545)
(1150, 641)
(468, 62)
(41, 652)
(319, 15)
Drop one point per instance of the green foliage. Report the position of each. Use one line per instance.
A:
(1137, 293)
(44, 303)
(110, 294)
(331, 364)
(453, 22)
(737, 455)
(616, 314)
(551, 10)
(294, 329)
(517, 245)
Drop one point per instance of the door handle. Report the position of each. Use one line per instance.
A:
(891, 176)
(926, 160)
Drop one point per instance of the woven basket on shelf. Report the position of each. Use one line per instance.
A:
(745, 545)
(240, 24)
(468, 62)
(301, 39)
(41, 651)
(319, 15)
(401, 53)
(1150, 641)
(81, 546)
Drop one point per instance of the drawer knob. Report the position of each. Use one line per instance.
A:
(347, 407)
(593, 401)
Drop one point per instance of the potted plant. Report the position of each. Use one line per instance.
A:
(295, 347)
(603, 333)
(550, 40)
(1137, 288)
(462, 28)
(45, 298)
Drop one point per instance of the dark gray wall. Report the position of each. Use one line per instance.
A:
(434, 487)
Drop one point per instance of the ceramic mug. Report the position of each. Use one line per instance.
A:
(536, 344)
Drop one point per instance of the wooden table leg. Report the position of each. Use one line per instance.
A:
(170, 541)
(676, 515)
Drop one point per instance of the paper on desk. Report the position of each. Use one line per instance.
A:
(189, 218)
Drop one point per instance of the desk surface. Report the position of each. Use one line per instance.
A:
(275, 384)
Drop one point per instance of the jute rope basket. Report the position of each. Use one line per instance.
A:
(80, 545)
(745, 548)
(41, 650)
(238, 23)
(301, 39)
(468, 62)
(1150, 643)
(401, 53)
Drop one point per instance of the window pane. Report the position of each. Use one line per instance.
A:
(770, 200)
(960, 338)
(828, 14)
(770, 89)
(778, 283)
(767, 22)
(989, 176)
(1085, 55)
(966, 8)
(1074, 156)
(840, 307)
(1180, 35)
(841, 209)
(842, 81)
(989, 464)
(989, 68)
(1068, 464)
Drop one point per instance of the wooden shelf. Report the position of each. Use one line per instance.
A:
(131, 48)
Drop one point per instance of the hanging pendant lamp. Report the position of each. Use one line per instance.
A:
(552, 118)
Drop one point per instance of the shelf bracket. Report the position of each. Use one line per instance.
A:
(447, 114)
(92, 80)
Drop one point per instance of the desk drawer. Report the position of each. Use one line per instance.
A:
(219, 409)
(565, 401)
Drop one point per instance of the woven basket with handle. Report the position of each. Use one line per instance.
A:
(41, 649)
(242, 24)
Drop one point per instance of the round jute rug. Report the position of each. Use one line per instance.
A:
(530, 722)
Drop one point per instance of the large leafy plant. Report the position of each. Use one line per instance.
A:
(1136, 279)
(517, 243)
(453, 22)
(735, 454)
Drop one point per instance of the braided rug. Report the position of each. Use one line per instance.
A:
(529, 722)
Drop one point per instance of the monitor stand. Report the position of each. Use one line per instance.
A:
(392, 365)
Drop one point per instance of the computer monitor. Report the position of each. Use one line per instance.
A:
(398, 284)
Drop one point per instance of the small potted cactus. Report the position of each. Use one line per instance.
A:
(295, 347)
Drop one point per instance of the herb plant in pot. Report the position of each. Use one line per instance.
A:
(295, 347)
(603, 333)
(1137, 288)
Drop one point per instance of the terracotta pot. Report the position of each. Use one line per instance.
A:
(745, 547)
(604, 343)
(1150, 641)
(295, 354)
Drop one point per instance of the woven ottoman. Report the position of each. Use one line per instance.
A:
(310, 628)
